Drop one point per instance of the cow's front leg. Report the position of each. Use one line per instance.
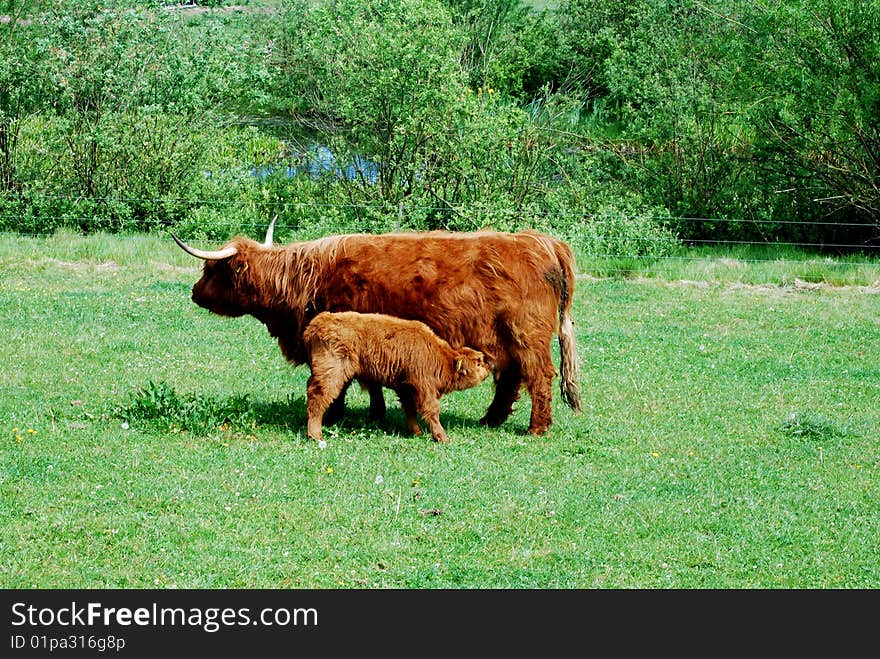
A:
(507, 384)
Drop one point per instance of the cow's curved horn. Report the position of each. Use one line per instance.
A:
(271, 230)
(216, 255)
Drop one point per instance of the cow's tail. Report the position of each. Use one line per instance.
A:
(568, 383)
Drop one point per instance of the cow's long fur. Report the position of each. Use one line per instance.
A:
(404, 355)
(506, 294)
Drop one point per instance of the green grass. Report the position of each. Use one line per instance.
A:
(741, 264)
(729, 439)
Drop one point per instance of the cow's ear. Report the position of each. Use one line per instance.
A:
(458, 364)
(241, 267)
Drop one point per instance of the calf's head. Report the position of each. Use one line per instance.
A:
(471, 367)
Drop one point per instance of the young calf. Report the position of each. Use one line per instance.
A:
(404, 355)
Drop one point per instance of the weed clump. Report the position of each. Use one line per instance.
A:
(811, 426)
(159, 406)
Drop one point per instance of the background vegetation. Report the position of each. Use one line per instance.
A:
(627, 127)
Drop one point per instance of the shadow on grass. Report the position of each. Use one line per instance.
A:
(161, 407)
(291, 415)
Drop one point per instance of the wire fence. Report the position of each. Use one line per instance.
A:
(712, 252)
(280, 204)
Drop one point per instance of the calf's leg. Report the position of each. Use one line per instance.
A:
(321, 390)
(336, 409)
(377, 401)
(407, 402)
(428, 406)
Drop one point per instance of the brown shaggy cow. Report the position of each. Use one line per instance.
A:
(505, 294)
(404, 355)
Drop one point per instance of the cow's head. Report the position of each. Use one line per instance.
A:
(222, 287)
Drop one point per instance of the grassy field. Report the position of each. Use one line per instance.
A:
(729, 439)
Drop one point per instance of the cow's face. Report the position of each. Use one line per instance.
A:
(223, 287)
(218, 290)
(471, 368)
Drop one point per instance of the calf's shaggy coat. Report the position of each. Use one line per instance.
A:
(404, 355)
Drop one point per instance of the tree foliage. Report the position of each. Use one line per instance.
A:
(591, 118)
(817, 104)
(383, 72)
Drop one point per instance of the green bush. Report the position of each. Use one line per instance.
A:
(24, 87)
(509, 46)
(159, 406)
(120, 113)
(816, 109)
(738, 110)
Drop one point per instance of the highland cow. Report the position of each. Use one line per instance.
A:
(505, 294)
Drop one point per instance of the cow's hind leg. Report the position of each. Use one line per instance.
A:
(538, 380)
(507, 384)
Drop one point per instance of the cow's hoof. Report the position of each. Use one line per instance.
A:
(492, 421)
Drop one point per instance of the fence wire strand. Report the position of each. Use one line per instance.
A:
(865, 252)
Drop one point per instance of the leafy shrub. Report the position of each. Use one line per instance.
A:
(510, 46)
(592, 118)
(159, 406)
(116, 129)
(613, 231)
(817, 113)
